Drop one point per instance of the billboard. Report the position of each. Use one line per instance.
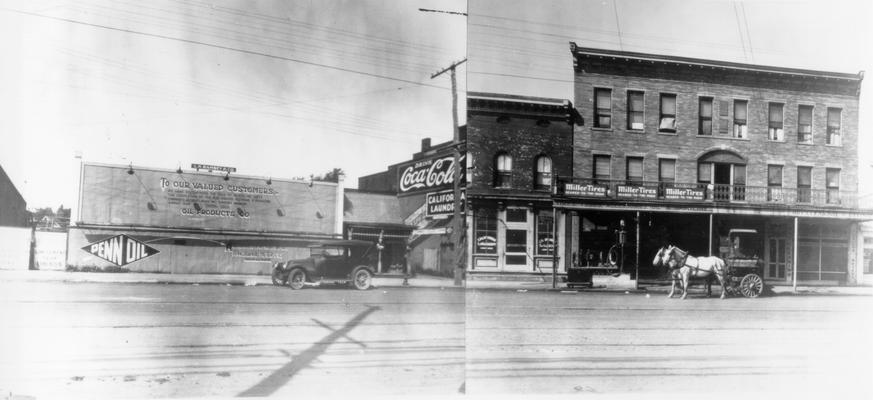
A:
(132, 196)
(427, 175)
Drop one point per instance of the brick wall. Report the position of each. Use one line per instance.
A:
(687, 145)
(524, 140)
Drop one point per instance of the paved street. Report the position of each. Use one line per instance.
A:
(552, 342)
(111, 340)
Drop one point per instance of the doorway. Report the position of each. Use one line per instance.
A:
(775, 258)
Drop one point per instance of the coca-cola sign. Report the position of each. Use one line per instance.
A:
(430, 174)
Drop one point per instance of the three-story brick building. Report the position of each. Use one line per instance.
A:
(681, 151)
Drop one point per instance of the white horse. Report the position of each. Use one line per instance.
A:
(685, 266)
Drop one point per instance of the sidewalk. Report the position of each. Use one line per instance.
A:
(195, 279)
(539, 284)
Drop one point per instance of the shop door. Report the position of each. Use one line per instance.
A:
(722, 181)
(431, 260)
(516, 249)
(775, 259)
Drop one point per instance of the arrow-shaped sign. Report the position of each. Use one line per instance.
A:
(120, 250)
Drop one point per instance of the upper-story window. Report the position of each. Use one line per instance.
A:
(741, 123)
(602, 108)
(503, 171)
(775, 131)
(834, 123)
(602, 168)
(832, 180)
(635, 171)
(774, 182)
(668, 113)
(635, 110)
(704, 125)
(804, 124)
(804, 184)
(543, 174)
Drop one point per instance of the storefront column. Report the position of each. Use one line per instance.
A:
(709, 247)
(637, 269)
(794, 258)
(554, 248)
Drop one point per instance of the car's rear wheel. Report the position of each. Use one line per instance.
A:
(362, 278)
(297, 279)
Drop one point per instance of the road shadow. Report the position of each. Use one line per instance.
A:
(283, 375)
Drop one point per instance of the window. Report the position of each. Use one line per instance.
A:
(739, 188)
(666, 174)
(704, 125)
(602, 168)
(602, 108)
(485, 231)
(775, 131)
(503, 174)
(516, 242)
(543, 174)
(833, 185)
(804, 124)
(704, 177)
(668, 113)
(634, 171)
(804, 184)
(834, 126)
(545, 241)
(635, 110)
(741, 108)
(774, 183)
(516, 215)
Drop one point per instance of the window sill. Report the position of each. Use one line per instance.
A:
(595, 129)
(668, 133)
(636, 131)
(833, 145)
(722, 138)
(806, 143)
(775, 141)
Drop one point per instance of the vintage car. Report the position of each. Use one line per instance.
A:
(341, 261)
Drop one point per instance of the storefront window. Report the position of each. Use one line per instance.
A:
(545, 241)
(485, 230)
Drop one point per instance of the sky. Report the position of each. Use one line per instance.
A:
(274, 88)
(524, 46)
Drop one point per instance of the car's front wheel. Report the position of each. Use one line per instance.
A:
(362, 278)
(297, 278)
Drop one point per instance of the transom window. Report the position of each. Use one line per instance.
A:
(602, 108)
(741, 126)
(775, 131)
(834, 122)
(668, 113)
(705, 116)
(635, 110)
(804, 124)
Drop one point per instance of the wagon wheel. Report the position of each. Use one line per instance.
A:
(752, 285)
(362, 278)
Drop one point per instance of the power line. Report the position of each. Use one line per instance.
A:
(218, 46)
(617, 25)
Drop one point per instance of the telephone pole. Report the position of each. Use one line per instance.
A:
(457, 225)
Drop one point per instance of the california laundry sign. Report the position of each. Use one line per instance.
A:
(120, 250)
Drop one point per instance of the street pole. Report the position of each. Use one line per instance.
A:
(457, 225)
(637, 271)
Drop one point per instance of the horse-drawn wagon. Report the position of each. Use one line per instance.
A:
(739, 270)
(743, 266)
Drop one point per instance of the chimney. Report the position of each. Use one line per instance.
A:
(425, 144)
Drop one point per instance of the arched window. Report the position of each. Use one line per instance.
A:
(503, 170)
(543, 173)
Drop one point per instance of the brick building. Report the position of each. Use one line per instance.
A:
(420, 191)
(13, 208)
(515, 147)
(679, 150)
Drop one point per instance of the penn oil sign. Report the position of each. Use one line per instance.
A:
(120, 250)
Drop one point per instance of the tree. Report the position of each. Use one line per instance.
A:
(330, 176)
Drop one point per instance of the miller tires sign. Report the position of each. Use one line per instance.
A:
(120, 250)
